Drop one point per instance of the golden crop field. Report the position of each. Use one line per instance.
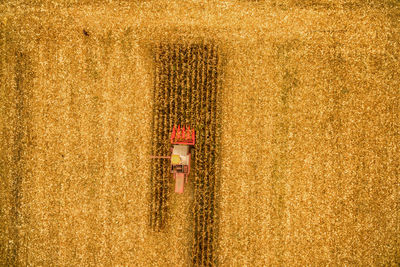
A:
(296, 110)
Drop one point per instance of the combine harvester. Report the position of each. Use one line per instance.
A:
(181, 140)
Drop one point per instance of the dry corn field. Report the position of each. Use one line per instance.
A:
(296, 110)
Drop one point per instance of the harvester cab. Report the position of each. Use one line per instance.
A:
(182, 140)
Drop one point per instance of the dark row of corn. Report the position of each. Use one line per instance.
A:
(185, 93)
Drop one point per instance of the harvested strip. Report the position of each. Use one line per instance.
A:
(186, 85)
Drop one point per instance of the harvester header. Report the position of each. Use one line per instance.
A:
(183, 136)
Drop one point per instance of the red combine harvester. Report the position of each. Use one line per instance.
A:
(181, 140)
